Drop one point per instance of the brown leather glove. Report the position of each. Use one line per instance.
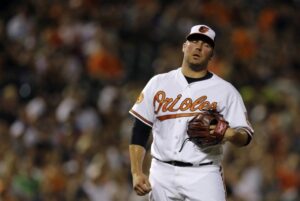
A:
(198, 128)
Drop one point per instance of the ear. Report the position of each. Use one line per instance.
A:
(183, 46)
(211, 55)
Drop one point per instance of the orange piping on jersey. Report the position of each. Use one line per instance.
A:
(174, 116)
(166, 104)
(137, 115)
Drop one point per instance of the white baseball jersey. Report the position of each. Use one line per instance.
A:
(168, 102)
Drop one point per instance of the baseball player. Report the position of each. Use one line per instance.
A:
(181, 170)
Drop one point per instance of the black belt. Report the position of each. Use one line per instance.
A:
(184, 164)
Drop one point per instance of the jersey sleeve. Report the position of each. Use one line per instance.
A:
(143, 108)
(236, 113)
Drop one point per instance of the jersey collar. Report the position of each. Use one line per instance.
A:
(183, 81)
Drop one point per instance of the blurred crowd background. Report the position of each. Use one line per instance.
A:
(71, 69)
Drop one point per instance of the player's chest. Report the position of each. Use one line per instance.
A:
(188, 99)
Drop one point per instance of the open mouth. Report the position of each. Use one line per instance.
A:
(196, 55)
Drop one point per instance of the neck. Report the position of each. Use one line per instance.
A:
(193, 74)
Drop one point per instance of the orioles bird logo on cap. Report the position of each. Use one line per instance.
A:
(203, 29)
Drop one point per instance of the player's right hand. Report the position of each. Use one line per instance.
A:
(141, 184)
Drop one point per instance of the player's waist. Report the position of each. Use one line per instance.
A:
(184, 164)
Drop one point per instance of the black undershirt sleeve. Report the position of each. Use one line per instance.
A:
(140, 133)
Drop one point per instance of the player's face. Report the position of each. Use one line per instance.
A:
(197, 54)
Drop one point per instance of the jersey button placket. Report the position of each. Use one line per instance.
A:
(179, 123)
(175, 139)
(178, 126)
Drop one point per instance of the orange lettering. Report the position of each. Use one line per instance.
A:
(186, 104)
(159, 97)
(197, 102)
(164, 104)
(171, 109)
(213, 106)
(204, 106)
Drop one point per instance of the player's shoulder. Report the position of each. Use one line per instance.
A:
(224, 83)
(166, 75)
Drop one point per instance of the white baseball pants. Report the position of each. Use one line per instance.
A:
(173, 183)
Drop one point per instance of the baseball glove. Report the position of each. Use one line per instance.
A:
(198, 128)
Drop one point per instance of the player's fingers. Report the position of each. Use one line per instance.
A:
(142, 193)
(141, 185)
(146, 188)
(211, 129)
(140, 190)
(147, 185)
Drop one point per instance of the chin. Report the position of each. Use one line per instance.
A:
(197, 67)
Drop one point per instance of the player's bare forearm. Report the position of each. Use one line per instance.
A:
(141, 184)
(137, 154)
(238, 137)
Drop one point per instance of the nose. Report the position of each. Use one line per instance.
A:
(199, 45)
